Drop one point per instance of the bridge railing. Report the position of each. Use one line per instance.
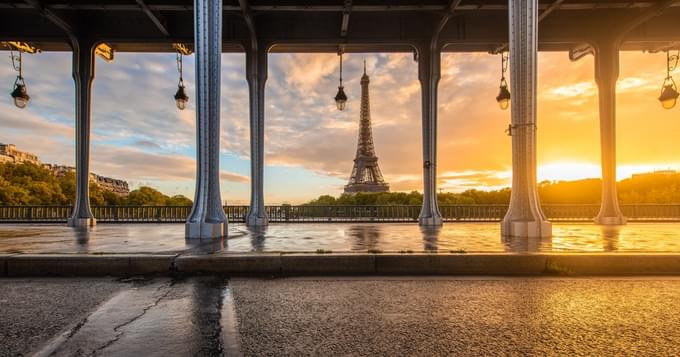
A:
(304, 213)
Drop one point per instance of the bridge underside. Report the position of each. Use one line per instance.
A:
(426, 28)
(317, 26)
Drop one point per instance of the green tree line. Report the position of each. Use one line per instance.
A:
(30, 184)
(652, 188)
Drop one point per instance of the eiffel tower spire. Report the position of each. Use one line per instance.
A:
(366, 175)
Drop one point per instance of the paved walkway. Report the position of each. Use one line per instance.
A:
(340, 316)
(335, 237)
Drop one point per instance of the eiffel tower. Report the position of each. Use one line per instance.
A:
(366, 175)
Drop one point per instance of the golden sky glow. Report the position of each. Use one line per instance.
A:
(568, 127)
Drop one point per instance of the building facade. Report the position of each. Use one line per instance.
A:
(9, 153)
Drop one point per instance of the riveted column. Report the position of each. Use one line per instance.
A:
(429, 72)
(606, 75)
(83, 75)
(256, 68)
(524, 217)
(207, 218)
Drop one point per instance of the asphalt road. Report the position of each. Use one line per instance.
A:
(210, 316)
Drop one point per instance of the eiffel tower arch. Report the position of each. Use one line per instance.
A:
(366, 175)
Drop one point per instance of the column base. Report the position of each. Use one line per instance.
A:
(81, 222)
(610, 221)
(256, 221)
(526, 229)
(205, 230)
(431, 221)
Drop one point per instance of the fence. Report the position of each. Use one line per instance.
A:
(288, 213)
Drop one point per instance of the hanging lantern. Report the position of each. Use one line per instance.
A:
(340, 97)
(503, 97)
(19, 93)
(669, 92)
(181, 97)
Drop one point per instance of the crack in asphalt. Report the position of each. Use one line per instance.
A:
(116, 328)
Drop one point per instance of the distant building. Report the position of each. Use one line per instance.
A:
(119, 187)
(9, 153)
(655, 173)
(116, 186)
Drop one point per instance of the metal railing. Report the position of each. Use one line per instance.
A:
(305, 213)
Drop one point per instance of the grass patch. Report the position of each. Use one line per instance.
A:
(323, 251)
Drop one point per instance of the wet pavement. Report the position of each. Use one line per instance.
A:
(209, 316)
(335, 237)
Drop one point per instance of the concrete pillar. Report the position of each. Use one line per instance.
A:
(256, 68)
(83, 75)
(429, 72)
(606, 75)
(207, 218)
(524, 217)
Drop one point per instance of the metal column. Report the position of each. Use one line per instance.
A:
(606, 75)
(429, 72)
(207, 218)
(83, 75)
(524, 217)
(256, 67)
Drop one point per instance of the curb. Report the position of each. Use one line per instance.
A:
(584, 264)
(86, 265)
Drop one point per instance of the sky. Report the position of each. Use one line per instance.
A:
(139, 135)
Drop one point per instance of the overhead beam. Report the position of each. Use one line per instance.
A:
(344, 28)
(154, 18)
(585, 49)
(454, 6)
(54, 18)
(552, 7)
(647, 15)
(248, 17)
(336, 8)
(665, 47)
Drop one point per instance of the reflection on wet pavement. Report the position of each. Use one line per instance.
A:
(162, 318)
(336, 237)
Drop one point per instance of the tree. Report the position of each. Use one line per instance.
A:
(30, 184)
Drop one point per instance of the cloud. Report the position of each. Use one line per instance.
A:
(570, 91)
(232, 177)
(140, 165)
(464, 180)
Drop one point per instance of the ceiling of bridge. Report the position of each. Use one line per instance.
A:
(317, 25)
